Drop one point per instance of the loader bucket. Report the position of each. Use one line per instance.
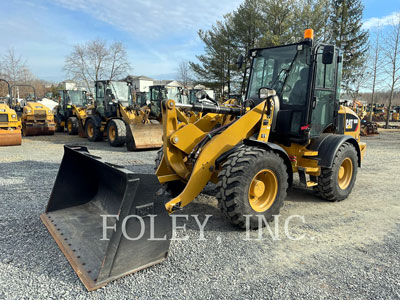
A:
(10, 137)
(144, 136)
(100, 248)
(81, 129)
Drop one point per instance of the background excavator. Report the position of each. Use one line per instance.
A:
(70, 113)
(291, 122)
(37, 119)
(115, 116)
(10, 126)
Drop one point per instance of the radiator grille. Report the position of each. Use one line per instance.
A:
(40, 113)
(3, 117)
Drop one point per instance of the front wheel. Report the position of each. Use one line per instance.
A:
(337, 182)
(72, 125)
(252, 185)
(92, 131)
(116, 132)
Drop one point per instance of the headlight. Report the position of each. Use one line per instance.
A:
(13, 116)
(49, 111)
(28, 111)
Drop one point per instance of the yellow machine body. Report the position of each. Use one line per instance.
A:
(10, 126)
(37, 119)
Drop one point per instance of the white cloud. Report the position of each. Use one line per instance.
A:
(382, 21)
(156, 18)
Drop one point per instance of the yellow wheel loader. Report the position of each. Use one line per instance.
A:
(70, 113)
(10, 126)
(115, 116)
(37, 119)
(291, 122)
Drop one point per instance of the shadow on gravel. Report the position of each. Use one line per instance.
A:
(65, 139)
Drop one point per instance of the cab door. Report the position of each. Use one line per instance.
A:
(324, 100)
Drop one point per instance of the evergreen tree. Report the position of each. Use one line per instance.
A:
(248, 27)
(348, 35)
(216, 65)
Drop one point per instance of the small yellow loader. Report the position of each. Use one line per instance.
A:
(290, 122)
(70, 113)
(10, 126)
(114, 115)
(37, 119)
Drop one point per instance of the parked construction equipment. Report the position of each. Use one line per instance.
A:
(116, 116)
(10, 126)
(291, 122)
(367, 127)
(36, 118)
(71, 112)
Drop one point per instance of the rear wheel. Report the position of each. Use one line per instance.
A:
(116, 132)
(92, 131)
(336, 183)
(253, 182)
(72, 125)
(59, 128)
(174, 188)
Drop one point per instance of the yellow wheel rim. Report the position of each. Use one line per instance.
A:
(69, 126)
(345, 173)
(90, 130)
(263, 190)
(112, 133)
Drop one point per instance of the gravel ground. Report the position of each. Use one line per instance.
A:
(349, 250)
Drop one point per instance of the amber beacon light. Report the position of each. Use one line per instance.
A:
(308, 34)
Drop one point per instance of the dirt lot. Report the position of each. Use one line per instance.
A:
(349, 249)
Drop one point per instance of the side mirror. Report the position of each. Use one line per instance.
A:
(239, 62)
(327, 54)
(264, 93)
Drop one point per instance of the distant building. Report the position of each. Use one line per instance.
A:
(140, 83)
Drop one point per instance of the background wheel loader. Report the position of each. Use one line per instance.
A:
(71, 112)
(36, 118)
(10, 126)
(115, 116)
(291, 122)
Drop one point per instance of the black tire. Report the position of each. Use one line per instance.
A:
(174, 188)
(328, 183)
(59, 128)
(116, 132)
(72, 125)
(93, 132)
(235, 179)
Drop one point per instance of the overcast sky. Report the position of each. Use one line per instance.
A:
(157, 34)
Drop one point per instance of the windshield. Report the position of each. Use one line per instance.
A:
(283, 69)
(121, 92)
(76, 97)
(158, 94)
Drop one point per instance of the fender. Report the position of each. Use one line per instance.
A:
(328, 144)
(265, 145)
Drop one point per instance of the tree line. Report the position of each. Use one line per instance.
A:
(265, 23)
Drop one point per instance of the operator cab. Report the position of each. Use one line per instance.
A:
(306, 79)
(110, 93)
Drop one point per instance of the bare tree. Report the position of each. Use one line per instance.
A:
(392, 54)
(13, 66)
(358, 82)
(375, 68)
(118, 63)
(96, 60)
(184, 74)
